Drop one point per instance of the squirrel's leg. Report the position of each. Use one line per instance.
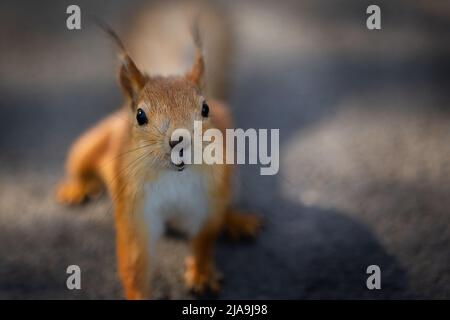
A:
(75, 190)
(201, 274)
(239, 225)
(82, 166)
(133, 256)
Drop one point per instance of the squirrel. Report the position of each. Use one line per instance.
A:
(129, 154)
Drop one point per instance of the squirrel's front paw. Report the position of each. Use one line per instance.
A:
(70, 193)
(201, 278)
(242, 225)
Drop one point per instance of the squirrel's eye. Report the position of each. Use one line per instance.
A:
(205, 110)
(141, 117)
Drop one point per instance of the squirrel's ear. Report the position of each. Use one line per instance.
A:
(196, 74)
(197, 71)
(131, 79)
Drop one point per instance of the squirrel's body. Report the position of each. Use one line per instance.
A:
(177, 198)
(129, 153)
(149, 192)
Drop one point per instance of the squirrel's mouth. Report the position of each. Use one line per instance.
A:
(180, 166)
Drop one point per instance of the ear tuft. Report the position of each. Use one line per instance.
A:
(130, 78)
(197, 71)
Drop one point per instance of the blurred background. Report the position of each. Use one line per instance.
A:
(364, 120)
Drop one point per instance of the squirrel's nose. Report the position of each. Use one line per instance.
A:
(173, 143)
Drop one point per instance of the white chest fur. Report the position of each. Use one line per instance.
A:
(181, 198)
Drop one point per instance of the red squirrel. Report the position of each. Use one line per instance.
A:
(129, 154)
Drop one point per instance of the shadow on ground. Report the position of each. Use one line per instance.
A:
(305, 254)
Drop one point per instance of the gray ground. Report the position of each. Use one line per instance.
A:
(365, 172)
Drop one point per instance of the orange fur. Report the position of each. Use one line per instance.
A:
(124, 156)
(101, 155)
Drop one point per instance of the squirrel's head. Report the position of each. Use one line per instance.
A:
(159, 105)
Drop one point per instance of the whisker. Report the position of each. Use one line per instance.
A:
(129, 171)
